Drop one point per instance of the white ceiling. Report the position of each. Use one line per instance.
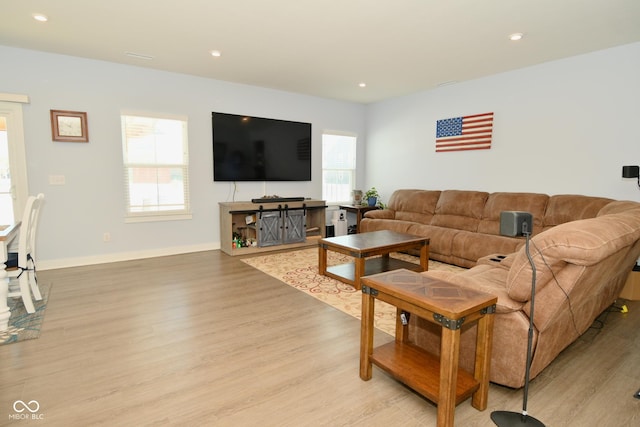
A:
(324, 47)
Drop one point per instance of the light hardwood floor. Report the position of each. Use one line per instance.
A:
(203, 339)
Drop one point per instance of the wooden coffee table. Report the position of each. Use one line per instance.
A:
(438, 378)
(365, 245)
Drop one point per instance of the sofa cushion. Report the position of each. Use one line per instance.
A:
(568, 207)
(440, 239)
(619, 206)
(468, 247)
(534, 203)
(461, 210)
(414, 205)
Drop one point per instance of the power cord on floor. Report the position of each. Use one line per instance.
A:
(622, 309)
(600, 321)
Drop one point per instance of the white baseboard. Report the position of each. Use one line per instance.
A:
(123, 256)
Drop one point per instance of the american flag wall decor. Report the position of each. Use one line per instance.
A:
(464, 133)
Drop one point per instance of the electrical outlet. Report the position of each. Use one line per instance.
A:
(106, 237)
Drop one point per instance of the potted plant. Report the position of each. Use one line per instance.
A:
(372, 196)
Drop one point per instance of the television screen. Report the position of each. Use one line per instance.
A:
(258, 149)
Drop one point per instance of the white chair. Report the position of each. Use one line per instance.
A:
(21, 266)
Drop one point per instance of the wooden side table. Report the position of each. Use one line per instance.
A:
(442, 303)
(359, 210)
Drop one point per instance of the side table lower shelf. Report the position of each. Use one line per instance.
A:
(420, 370)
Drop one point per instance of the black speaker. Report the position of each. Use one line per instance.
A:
(516, 223)
(630, 171)
(330, 231)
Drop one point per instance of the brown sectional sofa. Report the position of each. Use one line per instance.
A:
(583, 248)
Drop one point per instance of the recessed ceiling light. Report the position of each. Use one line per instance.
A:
(515, 36)
(362, 84)
(40, 17)
(215, 53)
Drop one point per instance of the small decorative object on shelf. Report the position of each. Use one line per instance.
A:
(372, 197)
(357, 197)
(237, 240)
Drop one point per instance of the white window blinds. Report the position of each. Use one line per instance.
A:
(338, 167)
(156, 166)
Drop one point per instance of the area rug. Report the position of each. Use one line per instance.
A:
(299, 269)
(22, 325)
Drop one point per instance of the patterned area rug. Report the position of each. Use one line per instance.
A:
(299, 269)
(22, 325)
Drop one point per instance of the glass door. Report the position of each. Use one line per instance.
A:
(6, 200)
(13, 168)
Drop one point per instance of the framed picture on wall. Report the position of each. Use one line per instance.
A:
(69, 126)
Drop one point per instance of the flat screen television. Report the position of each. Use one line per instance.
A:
(249, 148)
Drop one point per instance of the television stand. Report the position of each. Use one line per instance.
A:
(242, 218)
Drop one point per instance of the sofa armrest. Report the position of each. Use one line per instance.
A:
(486, 278)
(582, 243)
(381, 214)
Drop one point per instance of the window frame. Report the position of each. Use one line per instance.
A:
(158, 214)
(11, 110)
(352, 172)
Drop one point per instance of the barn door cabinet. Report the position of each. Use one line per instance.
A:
(271, 226)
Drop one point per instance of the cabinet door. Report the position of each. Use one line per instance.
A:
(295, 227)
(269, 227)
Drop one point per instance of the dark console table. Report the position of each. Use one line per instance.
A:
(359, 210)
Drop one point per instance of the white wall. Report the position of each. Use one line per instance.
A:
(566, 126)
(76, 215)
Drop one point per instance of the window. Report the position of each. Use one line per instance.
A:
(156, 167)
(13, 165)
(338, 167)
